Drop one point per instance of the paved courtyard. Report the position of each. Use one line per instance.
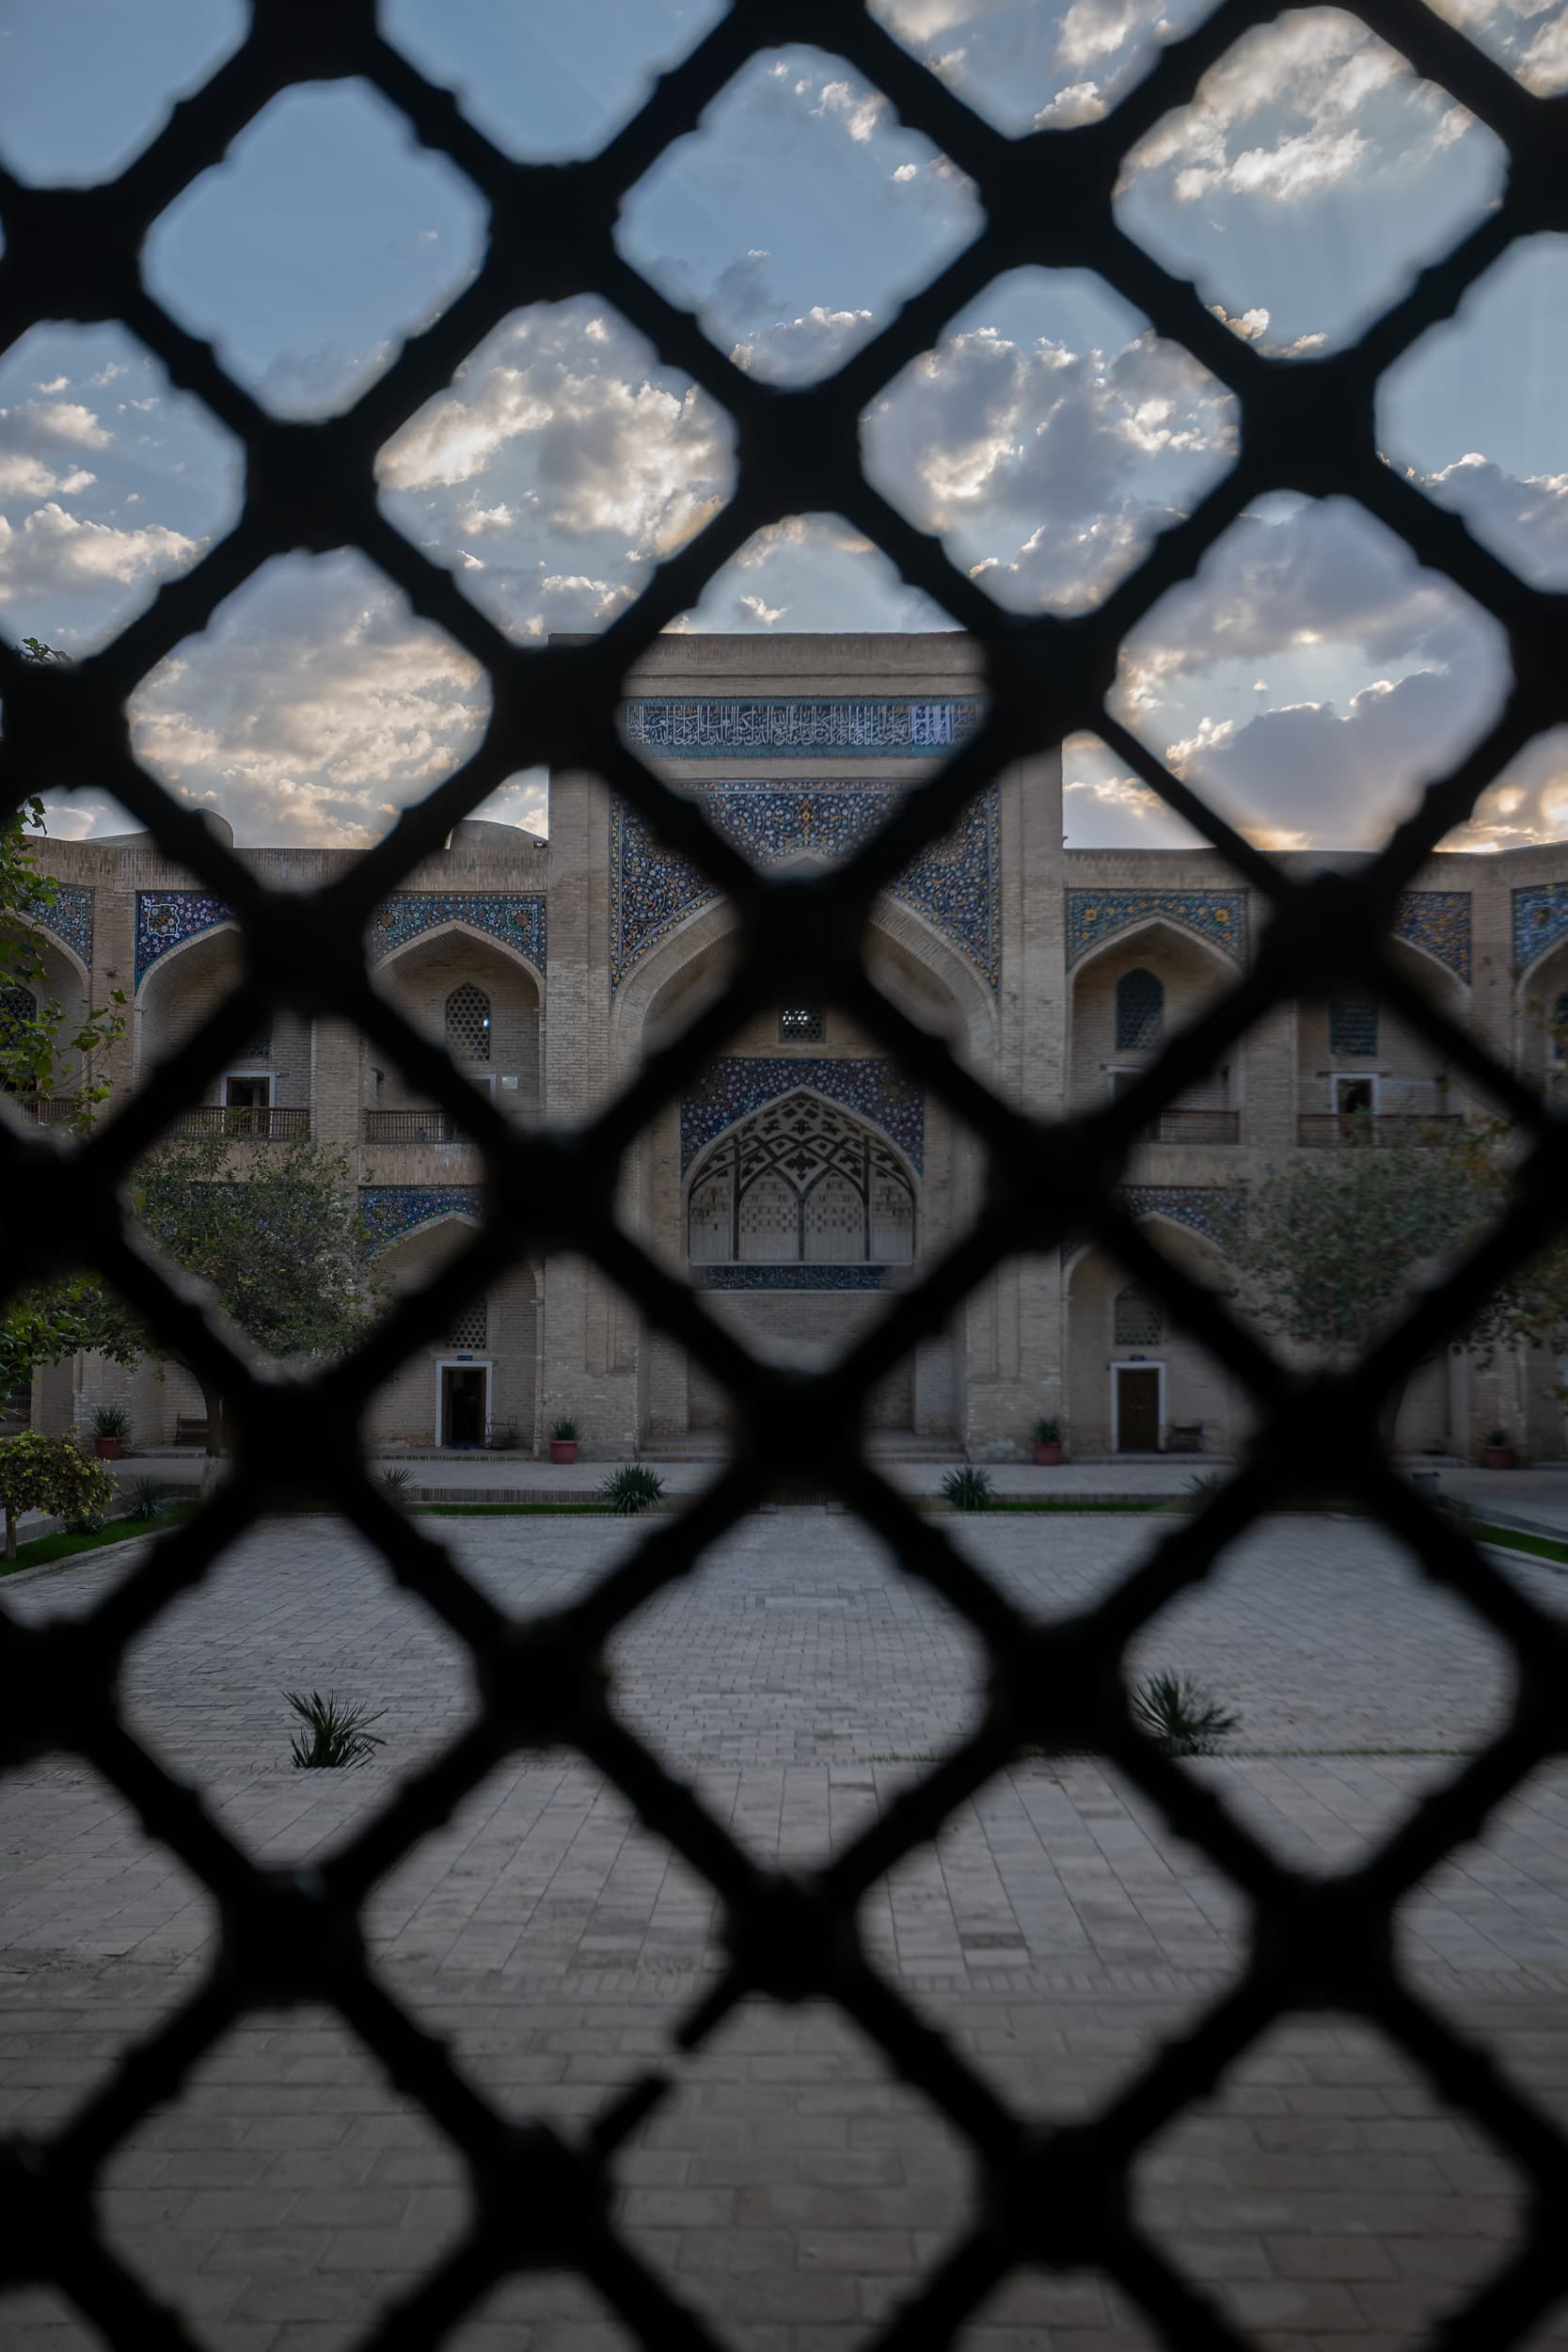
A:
(787, 2188)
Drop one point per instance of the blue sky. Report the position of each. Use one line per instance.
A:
(1307, 677)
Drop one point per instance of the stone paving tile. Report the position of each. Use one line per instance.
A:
(788, 2187)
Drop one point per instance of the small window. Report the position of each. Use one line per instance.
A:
(1138, 1320)
(18, 1006)
(468, 1023)
(801, 1025)
(470, 1329)
(1140, 1011)
(1352, 1025)
(252, 1090)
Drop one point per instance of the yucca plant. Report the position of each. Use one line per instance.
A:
(1203, 1486)
(397, 1480)
(633, 1488)
(335, 1735)
(968, 1489)
(148, 1500)
(1180, 1717)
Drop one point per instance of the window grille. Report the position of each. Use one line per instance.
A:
(1327, 1942)
(801, 1181)
(468, 1023)
(1140, 1011)
(801, 1025)
(1138, 1319)
(1352, 1025)
(470, 1329)
(18, 1007)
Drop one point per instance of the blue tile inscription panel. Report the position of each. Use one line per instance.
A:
(737, 1083)
(771, 727)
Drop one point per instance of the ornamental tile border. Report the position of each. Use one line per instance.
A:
(1218, 916)
(791, 1278)
(735, 1086)
(775, 726)
(1439, 921)
(516, 918)
(166, 919)
(1540, 920)
(955, 883)
(1218, 1213)
(390, 1213)
(68, 914)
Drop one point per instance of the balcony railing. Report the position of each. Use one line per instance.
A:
(255, 1123)
(47, 1110)
(416, 1126)
(1177, 1126)
(1323, 1130)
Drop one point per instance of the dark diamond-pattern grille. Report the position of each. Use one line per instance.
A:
(1060, 2198)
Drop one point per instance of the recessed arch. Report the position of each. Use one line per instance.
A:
(800, 1181)
(54, 944)
(453, 926)
(1148, 929)
(168, 957)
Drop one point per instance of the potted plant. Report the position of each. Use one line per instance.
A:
(1496, 1453)
(111, 1431)
(1048, 1442)
(563, 1439)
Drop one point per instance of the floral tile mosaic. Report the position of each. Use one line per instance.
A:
(1540, 920)
(792, 1277)
(166, 919)
(955, 884)
(736, 1085)
(516, 918)
(1216, 1212)
(1217, 916)
(69, 915)
(732, 727)
(1439, 921)
(388, 1212)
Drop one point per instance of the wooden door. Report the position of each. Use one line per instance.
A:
(1137, 1408)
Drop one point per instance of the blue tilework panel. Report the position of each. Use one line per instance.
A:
(955, 884)
(733, 726)
(388, 1212)
(516, 918)
(68, 915)
(1540, 920)
(791, 1278)
(1217, 916)
(1439, 921)
(1216, 1212)
(733, 1087)
(166, 919)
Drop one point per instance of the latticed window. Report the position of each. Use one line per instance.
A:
(1140, 1009)
(801, 1182)
(1352, 1025)
(468, 1023)
(801, 1025)
(472, 1329)
(1137, 1319)
(18, 1006)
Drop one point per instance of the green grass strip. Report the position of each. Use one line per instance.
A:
(39, 1548)
(1519, 1539)
(504, 1510)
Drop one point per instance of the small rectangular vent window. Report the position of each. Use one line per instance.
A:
(801, 1025)
(471, 1327)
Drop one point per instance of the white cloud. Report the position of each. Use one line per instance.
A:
(1524, 521)
(761, 611)
(28, 477)
(54, 550)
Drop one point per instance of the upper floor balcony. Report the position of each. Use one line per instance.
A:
(1208, 1125)
(1327, 1129)
(241, 1122)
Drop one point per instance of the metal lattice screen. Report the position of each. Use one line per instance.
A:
(1058, 2197)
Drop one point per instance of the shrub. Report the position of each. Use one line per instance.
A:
(49, 1474)
(633, 1488)
(564, 1431)
(85, 1524)
(334, 1735)
(1047, 1431)
(148, 1500)
(1180, 1717)
(968, 1489)
(111, 1420)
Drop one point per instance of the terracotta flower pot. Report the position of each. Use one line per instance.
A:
(108, 1448)
(1499, 1458)
(564, 1449)
(1048, 1453)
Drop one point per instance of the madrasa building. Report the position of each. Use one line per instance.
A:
(804, 1175)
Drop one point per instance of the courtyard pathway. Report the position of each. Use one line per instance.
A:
(788, 2190)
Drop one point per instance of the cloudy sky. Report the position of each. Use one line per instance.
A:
(1307, 677)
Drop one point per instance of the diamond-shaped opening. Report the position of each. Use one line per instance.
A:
(796, 216)
(1504, 468)
(111, 482)
(811, 2170)
(563, 463)
(1532, 45)
(548, 82)
(312, 707)
(1308, 179)
(1311, 677)
(1526, 804)
(1497, 1907)
(87, 1894)
(1027, 68)
(289, 2184)
(306, 297)
(300, 1604)
(1329, 2190)
(1049, 439)
(83, 95)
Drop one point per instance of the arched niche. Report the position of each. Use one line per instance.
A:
(186, 986)
(1189, 970)
(800, 1182)
(1191, 1391)
(498, 1355)
(57, 976)
(1344, 1065)
(422, 977)
(1541, 1021)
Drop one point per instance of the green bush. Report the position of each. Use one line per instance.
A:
(633, 1488)
(50, 1474)
(564, 1431)
(111, 1420)
(334, 1735)
(968, 1489)
(1047, 1431)
(1180, 1717)
(148, 1500)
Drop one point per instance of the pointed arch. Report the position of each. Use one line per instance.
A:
(800, 1181)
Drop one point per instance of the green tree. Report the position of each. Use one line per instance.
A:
(49, 1474)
